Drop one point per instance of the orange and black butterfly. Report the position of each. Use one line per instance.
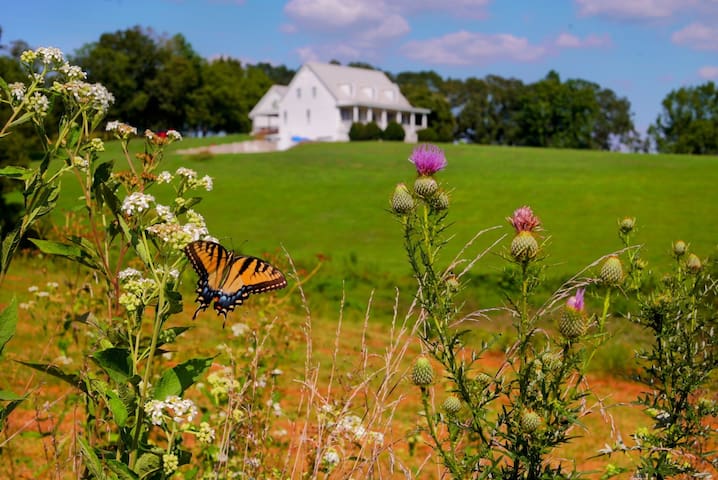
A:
(228, 278)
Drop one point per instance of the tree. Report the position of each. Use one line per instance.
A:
(688, 122)
(423, 89)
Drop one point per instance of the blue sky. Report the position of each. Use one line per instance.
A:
(641, 49)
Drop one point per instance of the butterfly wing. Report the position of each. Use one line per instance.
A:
(228, 279)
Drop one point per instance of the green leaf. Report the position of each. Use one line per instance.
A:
(8, 322)
(7, 410)
(57, 248)
(6, 395)
(13, 171)
(102, 174)
(71, 378)
(176, 380)
(4, 85)
(92, 461)
(118, 408)
(122, 471)
(116, 362)
(148, 463)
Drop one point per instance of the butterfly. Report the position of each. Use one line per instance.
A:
(228, 278)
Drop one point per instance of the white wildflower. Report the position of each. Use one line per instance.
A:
(164, 177)
(39, 103)
(330, 459)
(129, 273)
(154, 409)
(164, 212)
(187, 173)
(50, 56)
(239, 329)
(63, 360)
(72, 72)
(33, 288)
(183, 410)
(122, 130)
(17, 91)
(206, 183)
(174, 135)
(137, 202)
(42, 294)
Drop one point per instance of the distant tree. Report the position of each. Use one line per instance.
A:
(688, 122)
(427, 135)
(125, 62)
(394, 132)
(279, 74)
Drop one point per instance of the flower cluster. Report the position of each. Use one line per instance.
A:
(524, 246)
(136, 202)
(120, 129)
(222, 383)
(428, 159)
(177, 235)
(137, 290)
(95, 96)
(180, 411)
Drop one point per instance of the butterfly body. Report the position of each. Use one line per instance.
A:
(227, 278)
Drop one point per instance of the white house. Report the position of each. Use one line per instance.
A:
(265, 114)
(323, 100)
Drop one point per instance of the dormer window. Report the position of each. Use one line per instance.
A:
(347, 88)
(368, 92)
(299, 93)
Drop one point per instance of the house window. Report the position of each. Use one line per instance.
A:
(299, 93)
(347, 115)
(368, 92)
(285, 117)
(309, 116)
(314, 92)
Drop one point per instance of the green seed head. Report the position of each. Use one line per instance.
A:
(626, 225)
(530, 421)
(679, 248)
(452, 405)
(524, 246)
(612, 271)
(693, 263)
(425, 186)
(402, 202)
(572, 324)
(441, 201)
(423, 373)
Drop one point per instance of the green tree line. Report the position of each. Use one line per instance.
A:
(160, 82)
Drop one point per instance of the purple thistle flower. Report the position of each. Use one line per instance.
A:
(428, 159)
(576, 302)
(524, 220)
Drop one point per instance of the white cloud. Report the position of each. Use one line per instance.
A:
(567, 40)
(465, 48)
(698, 36)
(709, 72)
(637, 9)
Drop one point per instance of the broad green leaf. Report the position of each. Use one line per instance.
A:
(122, 471)
(23, 118)
(8, 322)
(92, 461)
(116, 362)
(14, 171)
(57, 248)
(71, 378)
(4, 85)
(176, 380)
(102, 174)
(148, 463)
(118, 408)
(10, 396)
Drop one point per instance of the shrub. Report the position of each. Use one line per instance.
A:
(372, 131)
(427, 135)
(357, 132)
(394, 132)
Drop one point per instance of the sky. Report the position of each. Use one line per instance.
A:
(641, 49)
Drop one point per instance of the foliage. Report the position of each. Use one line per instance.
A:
(427, 135)
(357, 132)
(393, 132)
(688, 122)
(372, 131)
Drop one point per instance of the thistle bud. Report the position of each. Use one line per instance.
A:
(451, 405)
(679, 248)
(573, 318)
(524, 246)
(693, 263)
(423, 373)
(626, 225)
(441, 201)
(402, 201)
(530, 421)
(452, 283)
(425, 186)
(612, 271)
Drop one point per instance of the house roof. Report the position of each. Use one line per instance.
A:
(264, 105)
(361, 86)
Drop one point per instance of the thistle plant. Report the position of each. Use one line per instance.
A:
(677, 368)
(503, 423)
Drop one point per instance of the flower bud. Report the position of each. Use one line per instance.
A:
(530, 421)
(693, 263)
(524, 246)
(679, 248)
(425, 186)
(572, 323)
(626, 225)
(441, 201)
(612, 271)
(423, 373)
(452, 405)
(402, 202)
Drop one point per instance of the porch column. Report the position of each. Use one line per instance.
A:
(355, 114)
(383, 119)
(369, 115)
(423, 120)
(398, 118)
(412, 121)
